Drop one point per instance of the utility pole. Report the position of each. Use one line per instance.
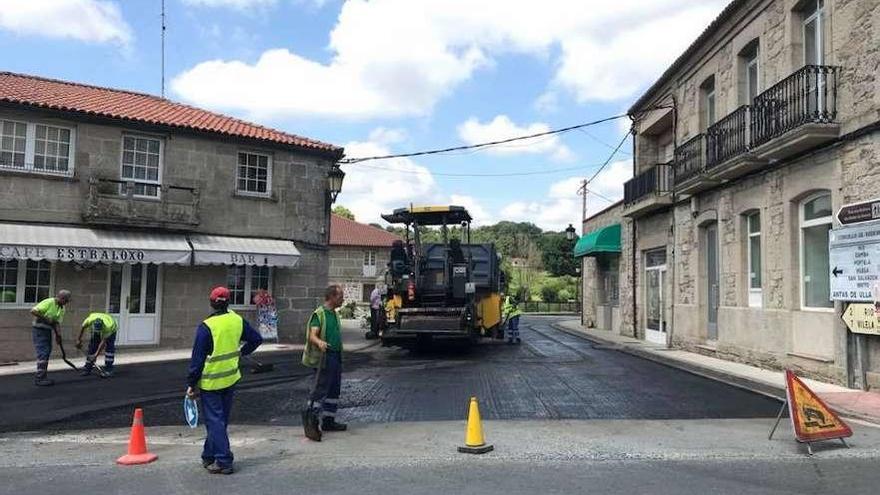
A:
(163, 48)
(582, 191)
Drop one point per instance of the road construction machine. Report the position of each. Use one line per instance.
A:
(446, 289)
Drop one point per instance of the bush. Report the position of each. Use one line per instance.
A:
(549, 293)
(7, 296)
(346, 312)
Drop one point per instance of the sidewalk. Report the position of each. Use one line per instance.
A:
(848, 402)
(352, 339)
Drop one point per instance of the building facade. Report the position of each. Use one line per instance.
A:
(139, 206)
(359, 256)
(599, 250)
(744, 149)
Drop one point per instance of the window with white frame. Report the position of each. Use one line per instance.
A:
(814, 44)
(753, 250)
(244, 281)
(24, 281)
(750, 77)
(254, 174)
(142, 165)
(707, 92)
(369, 263)
(815, 224)
(35, 147)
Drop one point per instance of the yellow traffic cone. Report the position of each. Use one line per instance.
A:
(473, 438)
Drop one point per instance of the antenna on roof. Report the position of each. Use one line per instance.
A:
(163, 48)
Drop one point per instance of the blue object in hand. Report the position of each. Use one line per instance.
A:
(191, 412)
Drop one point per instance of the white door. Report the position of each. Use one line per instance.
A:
(655, 297)
(135, 297)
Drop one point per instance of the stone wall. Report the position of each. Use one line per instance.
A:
(347, 269)
(589, 268)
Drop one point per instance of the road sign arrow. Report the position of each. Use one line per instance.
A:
(861, 318)
(836, 272)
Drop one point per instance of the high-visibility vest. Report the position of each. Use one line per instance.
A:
(311, 354)
(510, 309)
(221, 367)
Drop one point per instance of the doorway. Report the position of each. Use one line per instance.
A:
(712, 290)
(655, 296)
(134, 300)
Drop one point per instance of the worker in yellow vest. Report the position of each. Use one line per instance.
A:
(213, 373)
(323, 353)
(512, 313)
(103, 328)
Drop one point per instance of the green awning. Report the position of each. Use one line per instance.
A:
(604, 240)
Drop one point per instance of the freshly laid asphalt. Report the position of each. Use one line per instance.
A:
(552, 375)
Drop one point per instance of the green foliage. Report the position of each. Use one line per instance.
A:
(7, 296)
(343, 212)
(346, 312)
(557, 254)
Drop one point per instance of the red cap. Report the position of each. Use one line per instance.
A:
(220, 294)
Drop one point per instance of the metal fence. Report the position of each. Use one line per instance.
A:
(550, 307)
(655, 180)
(728, 137)
(809, 95)
(689, 159)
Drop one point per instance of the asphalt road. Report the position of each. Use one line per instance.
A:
(552, 375)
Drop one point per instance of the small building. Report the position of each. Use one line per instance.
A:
(139, 206)
(599, 249)
(359, 256)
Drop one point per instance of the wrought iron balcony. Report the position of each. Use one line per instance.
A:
(728, 137)
(115, 202)
(649, 190)
(689, 160)
(808, 96)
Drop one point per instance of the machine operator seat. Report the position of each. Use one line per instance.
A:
(399, 263)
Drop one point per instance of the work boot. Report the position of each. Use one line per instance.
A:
(85, 372)
(310, 425)
(42, 381)
(218, 469)
(330, 424)
(371, 336)
(206, 463)
(518, 340)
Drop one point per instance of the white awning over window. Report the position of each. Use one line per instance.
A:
(222, 250)
(57, 243)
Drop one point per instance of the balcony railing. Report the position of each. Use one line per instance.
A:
(689, 159)
(807, 96)
(728, 137)
(29, 168)
(655, 180)
(114, 201)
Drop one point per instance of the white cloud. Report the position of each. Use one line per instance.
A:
(383, 135)
(501, 127)
(563, 206)
(96, 21)
(234, 4)
(478, 212)
(400, 57)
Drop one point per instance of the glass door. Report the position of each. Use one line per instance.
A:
(134, 300)
(655, 297)
(712, 289)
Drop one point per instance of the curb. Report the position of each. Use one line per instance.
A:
(754, 386)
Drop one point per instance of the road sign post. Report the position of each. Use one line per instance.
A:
(854, 261)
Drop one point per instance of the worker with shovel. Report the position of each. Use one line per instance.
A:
(48, 315)
(103, 338)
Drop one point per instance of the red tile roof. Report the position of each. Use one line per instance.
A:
(345, 232)
(142, 108)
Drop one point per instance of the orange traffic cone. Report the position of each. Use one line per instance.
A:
(137, 443)
(473, 437)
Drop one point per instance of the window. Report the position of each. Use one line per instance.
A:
(142, 165)
(369, 263)
(749, 74)
(814, 46)
(254, 174)
(815, 220)
(39, 148)
(367, 290)
(608, 271)
(24, 281)
(244, 281)
(707, 90)
(753, 250)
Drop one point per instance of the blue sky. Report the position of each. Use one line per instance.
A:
(390, 76)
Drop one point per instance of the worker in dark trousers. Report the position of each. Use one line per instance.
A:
(511, 314)
(213, 373)
(103, 338)
(323, 352)
(48, 315)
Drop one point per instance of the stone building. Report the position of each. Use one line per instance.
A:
(744, 149)
(140, 205)
(359, 256)
(599, 249)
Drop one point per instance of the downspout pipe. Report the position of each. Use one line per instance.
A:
(674, 240)
(635, 292)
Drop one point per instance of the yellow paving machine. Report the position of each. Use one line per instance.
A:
(448, 289)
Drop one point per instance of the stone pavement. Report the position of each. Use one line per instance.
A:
(847, 402)
(352, 340)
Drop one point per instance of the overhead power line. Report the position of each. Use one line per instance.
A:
(482, 145)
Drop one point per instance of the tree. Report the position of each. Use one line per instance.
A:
(343, 212)
(557, 254)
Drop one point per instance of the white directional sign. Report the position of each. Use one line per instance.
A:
(854, 262)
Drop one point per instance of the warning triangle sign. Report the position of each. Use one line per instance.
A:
(811, 418)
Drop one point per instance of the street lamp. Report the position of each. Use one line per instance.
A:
(570, 233)
(334, 182)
